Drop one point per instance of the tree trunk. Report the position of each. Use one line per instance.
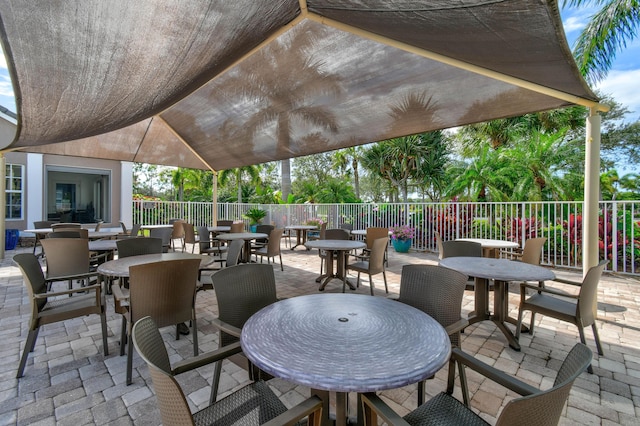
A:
(285, 171)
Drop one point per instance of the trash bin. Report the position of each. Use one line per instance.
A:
(11, 239)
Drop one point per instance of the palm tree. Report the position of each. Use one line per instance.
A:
(484, 178)
(285, 90)
(252, 171)
(608, 32)
(349, 157)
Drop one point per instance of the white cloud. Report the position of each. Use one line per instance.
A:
(574, 23)
(624, 86)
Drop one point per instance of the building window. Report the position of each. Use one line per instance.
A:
(13, 190)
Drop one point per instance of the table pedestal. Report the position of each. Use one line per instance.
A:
(340, 272)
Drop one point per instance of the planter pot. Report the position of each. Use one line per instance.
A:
(402, 246)
(253, 228)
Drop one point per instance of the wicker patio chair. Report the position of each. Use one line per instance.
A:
(237, 227)
(40, 224)
(207, 245)
(67, 232)
(262, 242)
(189, 236)
(438, 292)
(224, 222)
(531, 253)
(317, 235)
(580, 310)
(373, 266)
(165, 235)
(135, 230)
(55, 226)
(466, 249)
(48, 307)
(98, 226)
(372, 234)
(241, 291)
(177, 233)
(254, 404)
(69, 259)
(272, 249)
(165, 291)
(535, 408)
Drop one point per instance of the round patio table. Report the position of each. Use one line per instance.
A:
(491, 248)
(342, 249)
(301, 233)
(120, 267)
(501, 271)
(345, 343)
(247, 237)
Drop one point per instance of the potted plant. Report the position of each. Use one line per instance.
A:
(401, 237)
(255, 216)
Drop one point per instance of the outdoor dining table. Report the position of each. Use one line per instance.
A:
(345, 343)
(502, 271)
(93, 235)
(301, 233)
(247, 237)
(491, 248)
(342, 249)
(120, 267)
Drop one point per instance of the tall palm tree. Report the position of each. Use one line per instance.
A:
(252, 171)
(285, 90)
(608, 32)
(484, 178)
(349, 158)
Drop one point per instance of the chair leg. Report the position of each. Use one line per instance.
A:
(597, 338)
(129, 359)
(358, 281)
(28, 347)
(281, 265)
(103, 319)
(217, 371)
(371, 284)
(519, 324)
(384, 276)
(194, 327)
(123, 335)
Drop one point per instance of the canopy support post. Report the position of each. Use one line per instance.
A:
(590, 248)
(3, 218)
(214, 193)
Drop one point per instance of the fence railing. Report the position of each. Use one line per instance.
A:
(559, 222)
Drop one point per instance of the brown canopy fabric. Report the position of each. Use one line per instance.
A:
(221, 84)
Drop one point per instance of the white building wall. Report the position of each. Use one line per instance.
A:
(35, 189)
(126, 193)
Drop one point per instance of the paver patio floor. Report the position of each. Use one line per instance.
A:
(69, 381)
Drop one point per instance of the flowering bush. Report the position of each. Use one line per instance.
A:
(315, 221)
(402, 232)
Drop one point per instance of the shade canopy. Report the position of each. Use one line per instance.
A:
(221, 84)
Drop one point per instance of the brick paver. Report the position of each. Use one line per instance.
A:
(69, 381)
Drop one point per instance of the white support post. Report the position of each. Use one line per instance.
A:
(3, 177)
(591, 192)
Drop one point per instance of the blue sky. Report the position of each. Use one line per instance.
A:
(623, 82)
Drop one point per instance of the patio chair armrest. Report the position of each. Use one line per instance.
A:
(96, 287)
(71, 277)
(457, 326)
(298, 412)
(565, 281)
(500, 377)
(373, 405)
(227, 328)
(524, 286)
(119, 294)
(206, 358)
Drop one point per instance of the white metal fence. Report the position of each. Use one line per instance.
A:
(559, 222)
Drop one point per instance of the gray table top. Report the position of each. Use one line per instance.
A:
(218, 228)
(301, 227)
(103, 245)
(120, 267)
(489, 243)
(241, 236)
(497, 269)
(345, 342)
(92, 234)
(362, 232)
(335, 244)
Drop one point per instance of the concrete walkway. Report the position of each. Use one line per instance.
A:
(68, 381)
